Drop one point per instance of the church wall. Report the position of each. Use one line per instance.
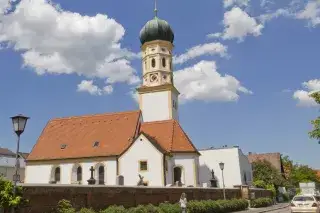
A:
(211, 158)
(129, 163)
(32, 173)
(68, 172)
(155, 106)
(188, 163)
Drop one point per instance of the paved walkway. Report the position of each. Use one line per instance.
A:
(266, 209)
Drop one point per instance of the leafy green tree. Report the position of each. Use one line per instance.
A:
(264, 171)
(7, 199)
(303, 173)
(315, 133)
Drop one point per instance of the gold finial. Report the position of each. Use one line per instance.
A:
(155, 8)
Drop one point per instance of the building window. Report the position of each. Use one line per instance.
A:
(174, 104)
(101, 175)
(153, 63)
(143, 166)
(163, 62)
(57, 174)
(79, 173)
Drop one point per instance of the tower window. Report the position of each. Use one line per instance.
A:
(163, 62)
(153, 62)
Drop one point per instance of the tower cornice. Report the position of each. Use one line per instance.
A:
(164, 87)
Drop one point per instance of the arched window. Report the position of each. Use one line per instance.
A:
(101, 175)
(153, 63)
(177, 174)
(163, 62)
(79, 173)
(57, 174)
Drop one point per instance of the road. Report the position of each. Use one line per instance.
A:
(285, 210)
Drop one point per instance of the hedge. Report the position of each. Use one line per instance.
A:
(261, 202)
(205, 206)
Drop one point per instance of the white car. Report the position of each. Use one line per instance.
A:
(305, 203)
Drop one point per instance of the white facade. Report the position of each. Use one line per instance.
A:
(129, 163)
(149, 106)
(157, 93)
(237, 169)
(7, 167)
(160, 169)
(68, 172)
(189, 169)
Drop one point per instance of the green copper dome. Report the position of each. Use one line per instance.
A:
(156, 29)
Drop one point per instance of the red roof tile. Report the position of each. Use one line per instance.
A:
(169, 135)
(113, 131)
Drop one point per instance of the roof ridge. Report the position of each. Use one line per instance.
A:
(157, 122)
(186, 135)
(95, 115)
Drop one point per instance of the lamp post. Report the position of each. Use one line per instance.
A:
(221, 164)
(19, 123)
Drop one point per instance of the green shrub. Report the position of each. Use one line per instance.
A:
(145, 209)
(64, 206)
(218, 206)
(114, 209)
(85, 210)
(286, 197)
(170, 208)
(261, 202)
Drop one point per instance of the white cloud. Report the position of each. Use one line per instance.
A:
(214, 35)
(311, 12)
(303, 96)
(240, 3)
(200, 50)
(238, 24)
(53, 41)
(203, 82)
(88, 86)
(278, 13)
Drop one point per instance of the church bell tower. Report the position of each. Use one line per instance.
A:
(158, 97)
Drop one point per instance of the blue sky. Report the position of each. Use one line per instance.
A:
(244, 68)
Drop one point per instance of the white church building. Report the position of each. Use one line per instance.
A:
(121, 146)
(147, 146)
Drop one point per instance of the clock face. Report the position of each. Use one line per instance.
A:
(153, 78)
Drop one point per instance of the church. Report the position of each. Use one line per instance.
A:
(143, 147)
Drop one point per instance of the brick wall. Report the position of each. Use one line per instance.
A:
(43, 198)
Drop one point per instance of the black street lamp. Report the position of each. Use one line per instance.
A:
(19, 123)
(221, 164)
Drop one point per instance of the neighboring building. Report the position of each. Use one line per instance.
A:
(273, 158)
(121, 146)
(7, 164)
(237, 168)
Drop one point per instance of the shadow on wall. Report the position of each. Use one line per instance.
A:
(205, 175)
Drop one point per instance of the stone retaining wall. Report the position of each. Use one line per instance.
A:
(43, 198)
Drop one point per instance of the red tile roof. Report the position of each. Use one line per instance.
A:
(169, 135)
(7, 152)
(115, 132)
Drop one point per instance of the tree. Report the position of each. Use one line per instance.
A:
(303, 174)
(315, 133)
(265, 172)
(7, 199)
